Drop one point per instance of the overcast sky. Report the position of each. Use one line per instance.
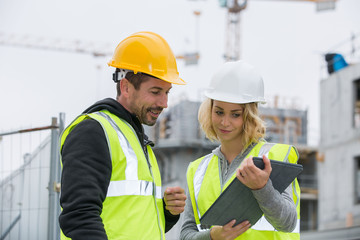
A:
(284, 40)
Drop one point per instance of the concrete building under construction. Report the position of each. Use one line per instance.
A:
(339, 170)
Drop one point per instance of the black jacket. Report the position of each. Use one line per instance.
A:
(86, 174)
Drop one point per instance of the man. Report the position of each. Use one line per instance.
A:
(111, 184)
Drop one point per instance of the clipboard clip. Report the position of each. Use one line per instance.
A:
(203, 227)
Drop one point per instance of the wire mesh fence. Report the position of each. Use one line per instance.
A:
(29, 177)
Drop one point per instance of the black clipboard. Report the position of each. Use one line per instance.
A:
(237, 201)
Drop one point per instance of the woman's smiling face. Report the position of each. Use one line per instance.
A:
(227, 120)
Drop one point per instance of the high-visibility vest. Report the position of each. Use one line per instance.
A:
(203, 178)
(133, 208)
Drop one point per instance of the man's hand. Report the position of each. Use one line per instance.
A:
(228, 231)
(174, 198)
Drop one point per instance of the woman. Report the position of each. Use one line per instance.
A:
(230, 115)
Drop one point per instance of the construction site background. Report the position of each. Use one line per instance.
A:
(29, 203)
(330, 182)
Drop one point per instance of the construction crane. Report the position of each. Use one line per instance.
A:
(95, 49)
(234, 7)
(61, 45)
(232, 42)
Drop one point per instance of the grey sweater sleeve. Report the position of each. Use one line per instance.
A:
(279, 209)
(189, 229)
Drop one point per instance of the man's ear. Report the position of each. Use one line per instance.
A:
(124, 87)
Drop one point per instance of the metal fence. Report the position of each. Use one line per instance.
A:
(29, 182)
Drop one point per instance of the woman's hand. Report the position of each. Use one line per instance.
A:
(228, 232)
(252, 176)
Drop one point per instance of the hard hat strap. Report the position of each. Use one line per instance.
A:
(119, 74)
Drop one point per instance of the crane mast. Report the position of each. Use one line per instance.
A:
(232, 42)
(233, 26)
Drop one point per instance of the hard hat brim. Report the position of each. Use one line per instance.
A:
(231, 98)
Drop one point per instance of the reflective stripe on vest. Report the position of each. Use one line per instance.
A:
(130, 186)
(199, 176)
(265, 149)
(262, 224)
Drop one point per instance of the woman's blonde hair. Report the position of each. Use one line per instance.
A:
(253, 127)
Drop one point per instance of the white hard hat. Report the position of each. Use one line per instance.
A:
(236, 82)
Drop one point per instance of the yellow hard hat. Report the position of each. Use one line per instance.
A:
(149, 53)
